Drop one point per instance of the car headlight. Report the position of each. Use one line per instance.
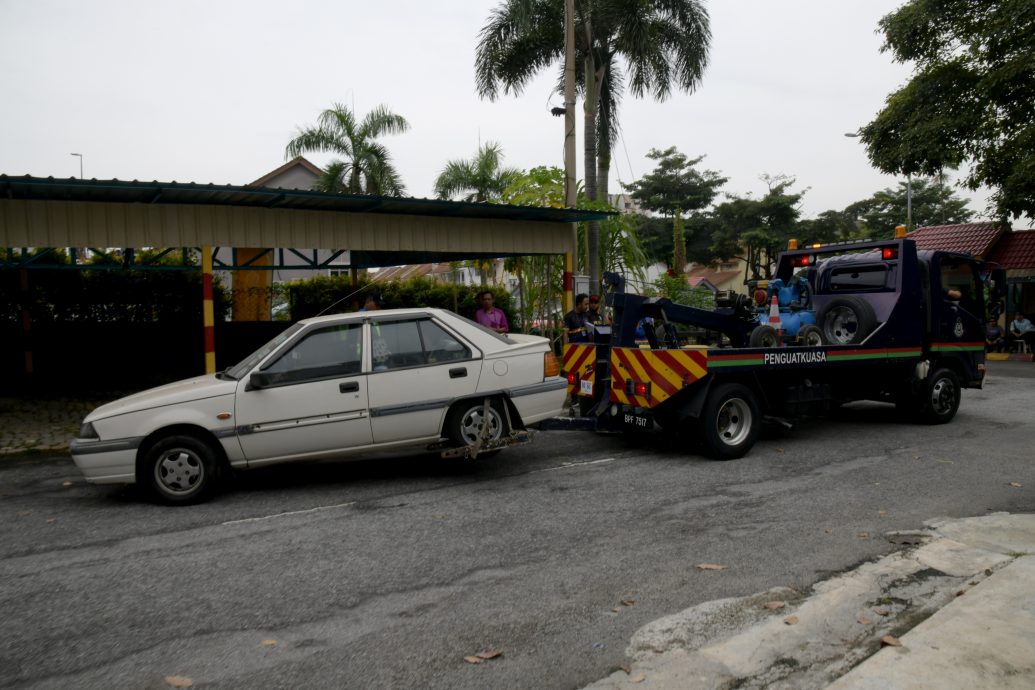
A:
(87, 431)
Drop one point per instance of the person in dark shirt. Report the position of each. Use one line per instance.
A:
(995, 337)
(576, 323)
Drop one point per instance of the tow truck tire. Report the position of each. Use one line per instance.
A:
(810, 336)
(764, 336)
(941, 397)
(846, 320)
(729, 422)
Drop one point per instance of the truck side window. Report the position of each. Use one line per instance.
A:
(872, 277)
(959, 275)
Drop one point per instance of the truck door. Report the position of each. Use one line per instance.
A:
(958, 308)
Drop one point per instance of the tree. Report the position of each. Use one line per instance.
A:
(674, 187)
(756, 230)
(651, 45)
(969, 100)
(934, 203)
(479, 179)
(676, 184)
(367, 167)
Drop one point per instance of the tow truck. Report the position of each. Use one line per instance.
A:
(872, 320)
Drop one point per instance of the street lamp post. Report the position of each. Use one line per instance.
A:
(909, 188)
(80, 164)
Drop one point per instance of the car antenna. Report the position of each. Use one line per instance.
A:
(333, 305)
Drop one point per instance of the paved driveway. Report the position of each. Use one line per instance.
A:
(388, 572)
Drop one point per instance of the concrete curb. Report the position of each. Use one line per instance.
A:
(839, 630)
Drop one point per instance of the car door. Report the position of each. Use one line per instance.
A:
(418, 368)
(313, 401)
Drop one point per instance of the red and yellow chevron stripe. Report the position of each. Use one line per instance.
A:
(582, 360)
(667, 371)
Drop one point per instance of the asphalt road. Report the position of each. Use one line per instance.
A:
(386, 573)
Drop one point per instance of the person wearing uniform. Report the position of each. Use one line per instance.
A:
(576, 323)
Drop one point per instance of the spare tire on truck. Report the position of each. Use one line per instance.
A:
(846, 320)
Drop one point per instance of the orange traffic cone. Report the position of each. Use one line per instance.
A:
(774, 315)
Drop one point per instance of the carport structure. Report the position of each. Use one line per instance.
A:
(374, 231)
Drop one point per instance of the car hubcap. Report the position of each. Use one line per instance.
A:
(943, 393)
(471, 426)
(733, 421)
(179, 471)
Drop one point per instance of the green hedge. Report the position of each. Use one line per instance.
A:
(336, 295)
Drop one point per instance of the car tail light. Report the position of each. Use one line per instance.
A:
(573, 378)
(888, 253)
(550, 366)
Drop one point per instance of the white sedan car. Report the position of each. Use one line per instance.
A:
(325, 387)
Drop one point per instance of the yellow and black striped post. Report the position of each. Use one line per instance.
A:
(208, 311)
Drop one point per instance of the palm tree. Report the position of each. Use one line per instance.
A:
(649, 45)
(479, 179)
(367, 167)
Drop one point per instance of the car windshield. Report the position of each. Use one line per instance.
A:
(238, 370)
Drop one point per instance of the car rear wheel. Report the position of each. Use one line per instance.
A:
(180, 470)
(464, 426)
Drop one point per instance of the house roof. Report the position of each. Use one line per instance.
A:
(1015, 250)
(971, 238)
(296, 162)
(712, 275)
(171, 193)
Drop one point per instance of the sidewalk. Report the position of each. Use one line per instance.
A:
(34, 425)
(954, 612)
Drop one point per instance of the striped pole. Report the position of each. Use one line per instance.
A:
(208, 311)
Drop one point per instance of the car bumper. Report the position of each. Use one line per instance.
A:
(540, 401)
(106, 462)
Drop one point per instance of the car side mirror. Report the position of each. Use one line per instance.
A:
(259, 380)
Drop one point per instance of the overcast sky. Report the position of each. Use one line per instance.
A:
(212, 91)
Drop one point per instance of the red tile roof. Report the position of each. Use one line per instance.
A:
(973, 238)
(1015, 250)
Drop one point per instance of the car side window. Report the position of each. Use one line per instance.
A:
(327, 352)
(440, 346)
(395, 345)
(402, 344)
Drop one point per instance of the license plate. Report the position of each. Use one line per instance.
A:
(637, 421)
(586, 387)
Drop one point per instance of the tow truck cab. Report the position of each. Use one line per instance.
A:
(891, 324)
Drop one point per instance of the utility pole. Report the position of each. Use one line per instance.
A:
(569, 149)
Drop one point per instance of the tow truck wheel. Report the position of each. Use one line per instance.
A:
(942, 397)
(729, 422)
(764, 336)
(846, 320)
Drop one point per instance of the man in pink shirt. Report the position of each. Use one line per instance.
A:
(488, 315)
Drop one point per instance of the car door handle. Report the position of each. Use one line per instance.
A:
(458, 373)
(349, 387)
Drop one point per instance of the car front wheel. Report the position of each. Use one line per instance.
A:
(180, 470)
